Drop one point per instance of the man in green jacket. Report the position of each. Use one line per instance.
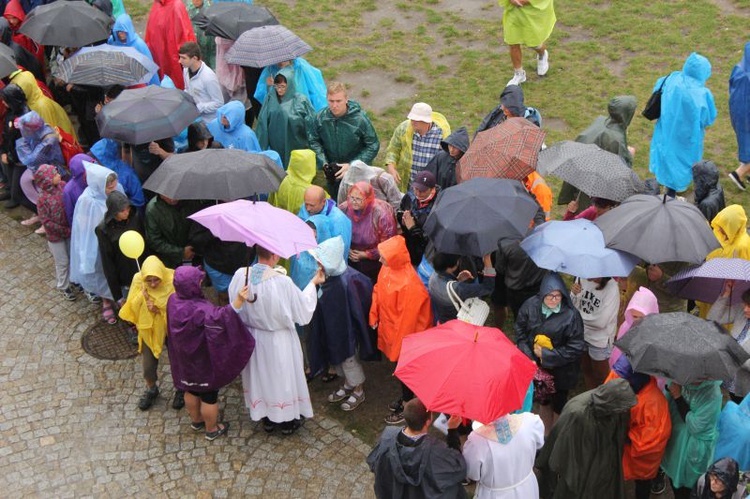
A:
(340, 134)
(167, 228)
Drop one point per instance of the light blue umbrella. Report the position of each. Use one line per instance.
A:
(577, 248)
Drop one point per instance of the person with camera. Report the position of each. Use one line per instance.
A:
(340, 134)
(413, 211)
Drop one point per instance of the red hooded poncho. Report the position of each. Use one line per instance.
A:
(167, 28)
(14, 9)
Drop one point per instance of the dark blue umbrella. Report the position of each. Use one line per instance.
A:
(706, 281)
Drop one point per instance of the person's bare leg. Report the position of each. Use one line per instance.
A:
(516, 57)
(210, 414)
(193, 406)
(742, 170)
(540, 49)
(547, 416)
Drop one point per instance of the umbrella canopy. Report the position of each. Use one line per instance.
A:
(590, 169)
(66, 24)
(106, 65)
(469, 218)
(141, 115)
(658, 230)
(508, 150)
(682, 347)
(471, 371)
(577, 248)
(230, 19)
(266, 45)
(277, 230)
(7, 61)
(225, 174)
(706, 281)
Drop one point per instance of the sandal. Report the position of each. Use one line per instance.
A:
(108, 315)
(354, 401)
(328, 377)
(339, 395)
(198, 426)
(221, 429)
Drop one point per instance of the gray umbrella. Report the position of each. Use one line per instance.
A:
(658, 230)
(141, 115)
(230, 19)
(66, 24)
(590, 169)
(682, 347)
(266, 45)
(106, 65)
(225, 174)
(7, 61)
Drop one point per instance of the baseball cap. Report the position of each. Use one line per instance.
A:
(424, 180)
(421, 112)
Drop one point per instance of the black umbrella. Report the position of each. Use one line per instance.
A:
(682, 347)
(7, 61)
(469, 218)
(658, 230)
(66, 24)
(230, 19)
(225, 174)
(141, 115)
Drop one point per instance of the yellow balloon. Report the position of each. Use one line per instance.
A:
(132, 244)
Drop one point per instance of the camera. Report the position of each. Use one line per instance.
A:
(330, 170)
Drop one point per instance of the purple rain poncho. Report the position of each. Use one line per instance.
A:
(76, 185)
(208, 345)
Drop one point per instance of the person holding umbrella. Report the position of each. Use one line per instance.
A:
(125, 35)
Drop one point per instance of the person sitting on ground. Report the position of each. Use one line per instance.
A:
(463, 284)
(382, 182)
(443, 164)
(709, 195)
(410, 462)
(229, 128)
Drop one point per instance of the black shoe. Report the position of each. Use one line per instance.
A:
(394, 418)
(268, 425)
(737, 180)
(4, 196)
(178, 402)
(10, 204)
(396, 406)
(659, 483)
(221, 429)
(289, 427)
(148, 397)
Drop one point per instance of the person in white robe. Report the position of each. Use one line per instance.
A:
(274, 380)
(500, 457)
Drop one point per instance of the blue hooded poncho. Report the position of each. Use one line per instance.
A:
(687, 108)
(341, 225)
(125, 24)
(38, 144)
(308, 80)
(237, 135)
(304, 265)
(739, 104)
(107, 153)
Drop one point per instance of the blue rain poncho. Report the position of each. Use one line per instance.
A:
(307, 79)
(124, 23)
(107, 153)
(687, 108)
(734, 429)
(237, 135)
(341, 225)
(304, 265)
(739, 105)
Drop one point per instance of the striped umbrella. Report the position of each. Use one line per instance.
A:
(705, 282)
(266, 45)
(106, 65)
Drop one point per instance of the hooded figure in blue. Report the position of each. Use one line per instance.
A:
(687, 108)
(85, 261)
(229, 128)
(304, 265)
(307, 79)
(739, 104)
(129, 38)
(340, 224)
(107, 153)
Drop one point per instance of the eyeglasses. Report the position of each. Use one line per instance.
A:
(554, 296)
(280, 85)
(356, 200)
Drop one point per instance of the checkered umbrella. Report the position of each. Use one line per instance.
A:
(230, 19)
(106, 65)
(706, 281)
(66, 24)
(7, 61)
(266, 45)
(508, 150)
(590, 169)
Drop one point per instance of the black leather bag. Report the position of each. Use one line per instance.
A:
(652, 111)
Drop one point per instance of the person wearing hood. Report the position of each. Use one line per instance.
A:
(443, 164)
(198, 136)
(15, 101)
(709, 195)
(167, 28)
(39, 144)
(551, 313)
(308, 81)
(229, 128)
(734, 428)
(341, 134)
(56, 227)
(642, 303)
(15, 15)
(373, 222)
(400, 307)
(50, 111)
(208, 348)
(687, 108)
(730, 228)
(125, 35)
(107, 152)
(339, 334)
(610, 133)
(412, 214)
(739, 114)
(721, 481)
(118, 268)
(511, 105)
(382, 182)
(300, 175)
(317, 203)
(146, 308)
(24, 58)
(76, 185)
(409, 462)
(200, 81)
(282, 122)
(582, 456)
(649, 428)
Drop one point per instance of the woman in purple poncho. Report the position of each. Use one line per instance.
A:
(208, 347)
(77, 184)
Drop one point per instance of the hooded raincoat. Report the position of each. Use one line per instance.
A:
(300, 174)
(304, 266)
(307, 78)
(739, 104)
(50, 204)
(38, 144)
(76, 185)
(443, 165)
(687, 108)
(564, 328)
(345, 139)
(400, 302)
(709, 195)
(512, 99)
(734, 427)
(643, 301)
(237, 135)
(530, 24)
(49, 110)
(208, 345)
(582, 456)
(152, 327)
(282, 122)
(727, 471)
(167, 28)
(383, 183)
(123, 23)
(340, 225)
(730, 228)
(14, 9)
(24, 58)
(107, 153)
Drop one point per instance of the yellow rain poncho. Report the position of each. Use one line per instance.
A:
(300, 174)
(529, 25)
(49, 110)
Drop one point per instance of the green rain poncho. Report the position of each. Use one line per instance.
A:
(282, 123)
(529, 25)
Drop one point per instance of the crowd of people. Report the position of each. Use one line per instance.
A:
(375, 276)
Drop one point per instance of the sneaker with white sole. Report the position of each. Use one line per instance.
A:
(519, 76)
(737, 180)
(542, 64)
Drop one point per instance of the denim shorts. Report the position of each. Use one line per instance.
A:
(597, 353)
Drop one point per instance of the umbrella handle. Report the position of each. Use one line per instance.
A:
(578, 195)
(255, 297)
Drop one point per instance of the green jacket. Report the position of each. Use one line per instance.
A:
(344, 139)
(167, 229)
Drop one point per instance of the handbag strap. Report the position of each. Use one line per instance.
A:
(663, 82)
(455, 299)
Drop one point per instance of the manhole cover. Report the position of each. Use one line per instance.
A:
(108, 341)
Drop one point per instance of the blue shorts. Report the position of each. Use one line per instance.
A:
(219, 281)
(597, 353)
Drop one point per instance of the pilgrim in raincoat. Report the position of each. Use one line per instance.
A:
(734, 428)
(529, 25)
(49, 110)
(237, 135)
(300, 174)
(307, 79)
(739, 104)
(107, 153)
(123, 23)
(167, 28)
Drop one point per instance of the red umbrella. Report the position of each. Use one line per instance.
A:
(466, 370)
(508, 150)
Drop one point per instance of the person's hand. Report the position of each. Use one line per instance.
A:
(454, 422)
(408, 220)
(538, 351)
(573, 206)
(464, 275)
(188, 253)
(631, 150)
(269, 81)
(154, 148)
(98, 107)
(675, 390)
(68, 87)
(4, 158)
(392, 170)
(576, 288)
(151, 307)
(319, 277)
(728, 285)
(357, 255)
(342, 170)
(241, 297)
(487, 260)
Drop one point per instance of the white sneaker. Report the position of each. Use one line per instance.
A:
(542, 64)
(518, 77)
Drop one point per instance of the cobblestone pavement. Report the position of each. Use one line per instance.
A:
(69, 425)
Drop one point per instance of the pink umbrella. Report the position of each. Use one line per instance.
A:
(259, 223)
